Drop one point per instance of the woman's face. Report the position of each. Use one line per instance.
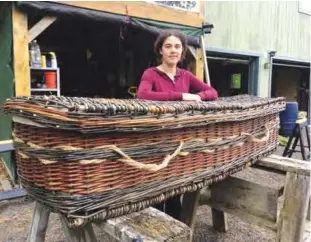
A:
(171, 50)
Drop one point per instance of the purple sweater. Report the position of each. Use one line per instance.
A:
(156, 85)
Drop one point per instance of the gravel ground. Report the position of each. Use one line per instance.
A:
(15, 219)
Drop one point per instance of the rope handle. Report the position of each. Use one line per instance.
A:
(126, 159)
(149, 167)
(254, 139)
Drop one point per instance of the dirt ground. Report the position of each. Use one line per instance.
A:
(15, 219)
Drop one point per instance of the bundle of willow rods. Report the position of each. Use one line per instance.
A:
(102, 158)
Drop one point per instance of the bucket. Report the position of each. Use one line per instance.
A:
(50, 79)
(288, 118)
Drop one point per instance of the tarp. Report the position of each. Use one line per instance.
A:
(7, 79)
(155, 27)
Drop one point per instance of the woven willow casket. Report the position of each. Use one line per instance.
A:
(101, 158)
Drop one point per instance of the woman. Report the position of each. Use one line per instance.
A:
(166, 82)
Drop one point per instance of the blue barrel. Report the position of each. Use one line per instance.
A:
(288, 118)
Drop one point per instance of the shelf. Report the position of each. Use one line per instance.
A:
(43, 69)
(44, 89)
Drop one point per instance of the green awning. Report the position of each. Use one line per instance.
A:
(63, 10)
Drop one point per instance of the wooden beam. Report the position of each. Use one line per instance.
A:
(286, 164)
(20, 53)
(292, 218)
(40, 220)
(6, 145)
(189, 208)
(142, 9)
(199, 65)
(6, 185)
(39, 27)
(220, 220)
(202, 9)
(204, 59)
(250, 201)
(148, 225)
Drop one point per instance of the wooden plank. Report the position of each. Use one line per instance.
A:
(204, 59)
(220, 220)
(39, 223)
(39, 27)
(202, 9)
(149, 224)
(20, 53)
(244, 215)
(308, 211)
(286, 164)
(256, 199)
(250, 201)
(6, 185)
(263, 176)
(15, 193)
(189, 208)
(6, 145)
(80, 234)
(144, 10)
(292, 217)
(199, 65)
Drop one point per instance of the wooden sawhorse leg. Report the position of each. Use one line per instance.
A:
(39, 226)
(291, 224)
(40, 220)
(81, 234)
(189, 209)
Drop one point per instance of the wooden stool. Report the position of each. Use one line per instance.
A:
(301, 129)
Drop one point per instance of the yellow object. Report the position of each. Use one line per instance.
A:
(283, 140)
(43, 61)
(53, 60)
(299, 121)
(133, 91)
(52, 54)
(302, 114)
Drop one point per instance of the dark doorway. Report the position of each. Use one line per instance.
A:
(292, 81)
(233, 74)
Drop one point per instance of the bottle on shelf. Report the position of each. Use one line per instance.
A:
(35, 54)
(53, 60)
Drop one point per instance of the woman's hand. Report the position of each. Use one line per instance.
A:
(190, 97)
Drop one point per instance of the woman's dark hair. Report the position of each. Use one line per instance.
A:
(163, 36)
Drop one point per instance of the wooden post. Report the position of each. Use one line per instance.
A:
(20, 53)
(292, 218)
(308, 211)
(199, 65)
(220, 220)
(189, 208)
(39, 27)
(80, 234)
(40, 219)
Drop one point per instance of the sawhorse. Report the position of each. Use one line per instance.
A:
(301, 128)
(158, 226)
(257, 203)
